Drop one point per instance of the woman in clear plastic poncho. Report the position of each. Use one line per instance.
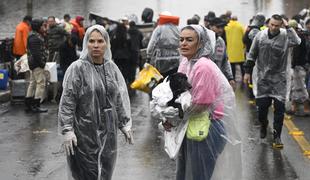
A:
(94, 104)
(212, 113)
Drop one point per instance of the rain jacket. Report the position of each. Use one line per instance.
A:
(163, 47)
(235, 47)
(94, 104)
(270, 55)
(20, 40)
(37, 55)
(213, 101)
(77, 27)
(219, 57)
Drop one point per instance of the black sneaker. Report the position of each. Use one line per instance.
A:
(277, 143)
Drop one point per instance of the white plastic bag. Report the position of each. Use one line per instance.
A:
(21, 65)
(159, 110)
(51, 67)
(174, 139)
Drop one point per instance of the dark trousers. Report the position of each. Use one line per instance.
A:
(197, 160)
(233, 69)
(127, 68)
(263, 105)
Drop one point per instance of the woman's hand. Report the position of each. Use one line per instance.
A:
(128, 135)
(247, 78)
(167, 126)
(233, 84)
(69, 140)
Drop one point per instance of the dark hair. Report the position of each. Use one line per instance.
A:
(209, 16)
(195, 21)
(189, 21)
(297, 18)
(132, 24)
(192, 21)
(36, 24)
(277, 17)
(147, 15)
(218, 22)
(308, 21)
(27, 18)
(51, 17)
(67, 16)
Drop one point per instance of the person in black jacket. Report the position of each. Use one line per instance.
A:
(120, 47)
(136, 38)
(67, 53)
(37, 57)
(300, 64)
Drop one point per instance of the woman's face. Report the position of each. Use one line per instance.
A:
(96, 46)
(188, 43)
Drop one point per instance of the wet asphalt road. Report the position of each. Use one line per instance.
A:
(30, 147)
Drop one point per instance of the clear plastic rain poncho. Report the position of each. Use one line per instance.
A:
(271, 73)
(163, 47)
(211, 146)
(94, 104)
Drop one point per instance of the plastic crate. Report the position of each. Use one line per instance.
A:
(18, 88)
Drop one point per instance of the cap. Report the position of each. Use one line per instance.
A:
(209, 16)
(217, 22)
(258, 20)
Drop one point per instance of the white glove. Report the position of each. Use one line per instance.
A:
(69, 137)
(128, 135)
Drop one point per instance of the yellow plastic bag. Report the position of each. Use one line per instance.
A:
(198, 126)
(147, 79)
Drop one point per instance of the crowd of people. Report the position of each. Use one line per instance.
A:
(99, 63)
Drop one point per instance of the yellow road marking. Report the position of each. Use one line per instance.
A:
(298, 135)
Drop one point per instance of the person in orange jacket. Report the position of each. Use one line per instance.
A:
(21, 35)
(78, 30)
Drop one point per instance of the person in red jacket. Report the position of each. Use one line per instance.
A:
(78, 30)
(21, 35)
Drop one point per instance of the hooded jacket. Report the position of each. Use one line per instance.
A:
(270, 57)
(94, 104)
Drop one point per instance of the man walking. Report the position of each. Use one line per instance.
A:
(269, 51)
(219, 57)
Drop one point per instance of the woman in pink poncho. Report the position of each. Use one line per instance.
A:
(213, 101)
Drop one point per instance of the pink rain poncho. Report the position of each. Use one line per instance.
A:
(211, 148)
